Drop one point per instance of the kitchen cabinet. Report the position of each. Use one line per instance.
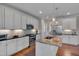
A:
(33, 21)
(17, 20)
(65, 38)
(53, 50)
(28, 20)
(24, 22)
(22, 43)
(25, 42)
(9, 18)
(45, 49)
(38, 37)
(70, 39)
(11, 46)
(74, 40)
(19, 44)
(1, 17)
(3, 48)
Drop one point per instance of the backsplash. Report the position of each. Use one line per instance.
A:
(12, 33)
(18, 32)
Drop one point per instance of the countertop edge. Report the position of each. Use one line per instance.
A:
(48, 43)
(13, 38)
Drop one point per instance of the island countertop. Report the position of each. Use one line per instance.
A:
(58, 40)
(53, 41)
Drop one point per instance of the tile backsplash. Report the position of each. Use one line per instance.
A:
(11, 33)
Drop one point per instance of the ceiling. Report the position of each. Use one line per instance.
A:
(49, 10)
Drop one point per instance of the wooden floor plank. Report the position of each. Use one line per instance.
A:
(68, 50)
(27, 51)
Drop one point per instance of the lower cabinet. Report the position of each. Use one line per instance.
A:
(45, 49)
(22, 43)
(65, 39)
(9, 47)
(70, 39)
(74, 40)
(25, 42)
(19, 44)
(3, 48)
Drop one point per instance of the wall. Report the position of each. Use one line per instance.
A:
(67, 22)
(77, 22)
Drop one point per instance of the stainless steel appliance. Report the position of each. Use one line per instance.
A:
(31, 32)
(3, 37)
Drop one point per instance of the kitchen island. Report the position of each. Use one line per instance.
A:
(50, 47)
(46, 48)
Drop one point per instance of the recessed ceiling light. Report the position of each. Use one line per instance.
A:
(68, 13)
(40, 12)
(53, 19)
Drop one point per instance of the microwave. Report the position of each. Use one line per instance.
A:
(29, 26)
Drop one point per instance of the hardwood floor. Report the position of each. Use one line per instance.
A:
(68, 50)
(27, 51)
(65, 50)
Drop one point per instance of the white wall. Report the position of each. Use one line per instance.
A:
(67, 22)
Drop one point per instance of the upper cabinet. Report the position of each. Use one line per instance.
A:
(9, 18)
(24, 21)
(33, 21)
(1, 17)
(17, 20)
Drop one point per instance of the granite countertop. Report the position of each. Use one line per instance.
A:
(48, 43)
(51, 42)
(4, 39)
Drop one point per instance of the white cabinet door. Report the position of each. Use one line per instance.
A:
(25, 42)
(1, 17)
(19, 44)
(42, 49)
(73, 40)
(38, 37)
(35, 22)
(17, 20)
(53, 50)
(11, 46)
(45, 49)
(65, 38)
(28, 19)
(2, 48)
(9, 20)
(22, 43)
(24, 22)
